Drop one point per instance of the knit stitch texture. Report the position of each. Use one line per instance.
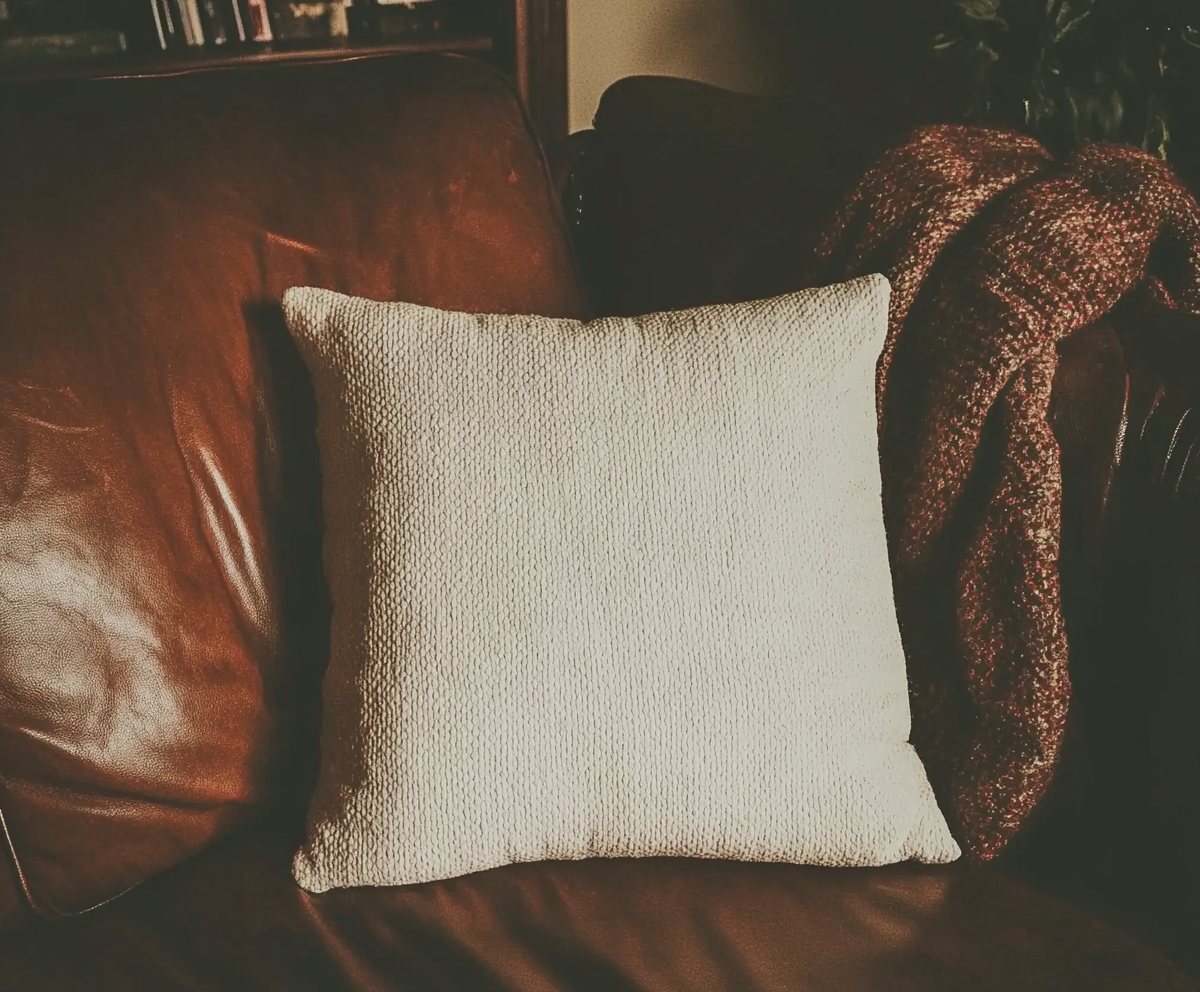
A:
(607, 589)
(995, 253)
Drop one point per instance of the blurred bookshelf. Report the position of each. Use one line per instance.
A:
(104, 39)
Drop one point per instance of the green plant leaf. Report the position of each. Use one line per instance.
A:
(980, 10)
(1069, 71)
(1070, 25)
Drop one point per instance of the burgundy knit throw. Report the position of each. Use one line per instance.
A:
(995, 252)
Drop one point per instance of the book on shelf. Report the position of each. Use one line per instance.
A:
(259, 26)
(178, 23)
(197, 23)
(212, 22)
(191, 18)
(243, 28)
(91, 43)
(57, 30)
(163, 28)
(337, 19)
(34, 31)
(309, 20)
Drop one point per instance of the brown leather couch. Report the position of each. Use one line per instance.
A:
(163, 617)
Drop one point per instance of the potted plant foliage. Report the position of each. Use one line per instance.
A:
(1070, 71)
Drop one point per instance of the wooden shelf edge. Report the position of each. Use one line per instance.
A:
(136, 67)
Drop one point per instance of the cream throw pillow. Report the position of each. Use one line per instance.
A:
(612, 589)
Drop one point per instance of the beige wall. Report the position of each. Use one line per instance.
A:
(715, 41)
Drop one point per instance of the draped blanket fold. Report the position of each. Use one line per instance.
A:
(995, 252)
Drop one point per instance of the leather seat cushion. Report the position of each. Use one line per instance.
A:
(232, 919)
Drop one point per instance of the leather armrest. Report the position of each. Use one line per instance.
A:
(1135, 663)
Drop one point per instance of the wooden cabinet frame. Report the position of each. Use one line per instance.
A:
(541, 63)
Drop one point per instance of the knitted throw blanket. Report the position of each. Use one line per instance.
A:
(995, 252)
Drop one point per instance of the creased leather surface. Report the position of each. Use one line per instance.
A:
(233, 921)
(160, 604)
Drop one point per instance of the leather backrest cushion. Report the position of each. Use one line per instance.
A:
(163, 620)
(695, 194)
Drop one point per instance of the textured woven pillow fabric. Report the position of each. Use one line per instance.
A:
(616, 588)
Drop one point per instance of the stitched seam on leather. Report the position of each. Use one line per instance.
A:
(1174, 441)
(1183, 467)
(44, 908)
(1119, 447)
(20, 872)
(53, 912)
(1154, 405)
